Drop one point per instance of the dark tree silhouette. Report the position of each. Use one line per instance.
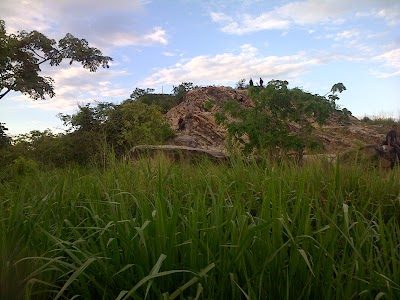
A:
(22, 54)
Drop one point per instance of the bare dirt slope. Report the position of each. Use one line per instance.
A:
(201, 131)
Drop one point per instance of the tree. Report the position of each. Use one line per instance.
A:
(22, 54)
(281, 119)
(241, 84)
(180, 91)
(182, 88)
(137, 93)
(88, 117)
(336, 88)
(5, 140)
(43, 147)
(118, 126)
(135, 123)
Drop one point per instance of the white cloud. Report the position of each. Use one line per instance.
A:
(311, 11)
(347, 34)
(169, 54)
(122, 39)
(247, 23)
(227, 68)
(85, 19)
(391, 61)
(220, 17)
(73, 85)
(158, 35)
(307, 12)
(390, 14)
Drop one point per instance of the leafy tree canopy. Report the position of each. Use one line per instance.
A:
(137, 93)
(120, 126)
(182, 88)
(22, 54)
(241, 84)
(88, 117)
(136, 123)
(164, 101)
(281, 119)
(5, 140)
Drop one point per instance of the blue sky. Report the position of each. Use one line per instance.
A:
(313, 44)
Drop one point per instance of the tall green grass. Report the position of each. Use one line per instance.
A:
(157, 230)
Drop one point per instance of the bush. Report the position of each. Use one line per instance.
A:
(208, 105)
(280, 120)
(23, 166)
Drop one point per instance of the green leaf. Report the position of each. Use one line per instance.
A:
(74, 276)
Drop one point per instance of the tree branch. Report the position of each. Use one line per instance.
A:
(33, 50)
(43, 61)
(6, 92)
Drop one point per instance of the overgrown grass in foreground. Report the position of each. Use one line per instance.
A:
(157, 230)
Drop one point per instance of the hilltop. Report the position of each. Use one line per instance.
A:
(199, 106)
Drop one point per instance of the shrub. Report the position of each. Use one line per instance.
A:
(23, 166)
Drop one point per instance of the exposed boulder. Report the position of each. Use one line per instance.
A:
(177, 153)
(339, 138)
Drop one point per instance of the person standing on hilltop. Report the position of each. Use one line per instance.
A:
(251, 82)
(261, 82)
(393, 141)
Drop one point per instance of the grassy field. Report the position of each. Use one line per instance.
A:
(158, 230)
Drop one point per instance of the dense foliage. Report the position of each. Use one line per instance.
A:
(136, 123)
(164, 101)
(93, 132)
(156, 230)
(281, 119)
(5, 140)
(22, 54)
(107, 126)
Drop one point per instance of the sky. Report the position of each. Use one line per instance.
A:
(159, 44)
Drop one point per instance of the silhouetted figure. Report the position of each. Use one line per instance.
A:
(261, 82)
(251, 82)
(181, 123)
(393, 141)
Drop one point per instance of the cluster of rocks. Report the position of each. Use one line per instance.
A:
(201, 131)
(198, 109)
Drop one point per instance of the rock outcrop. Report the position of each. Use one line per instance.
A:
(198, 110)
(201, 131)
(337, 138)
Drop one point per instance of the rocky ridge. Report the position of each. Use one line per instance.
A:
(201, 131)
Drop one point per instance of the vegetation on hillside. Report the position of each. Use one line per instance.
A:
(281, 119)
(381, 120)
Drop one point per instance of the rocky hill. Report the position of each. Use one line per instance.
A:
(201, 131)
